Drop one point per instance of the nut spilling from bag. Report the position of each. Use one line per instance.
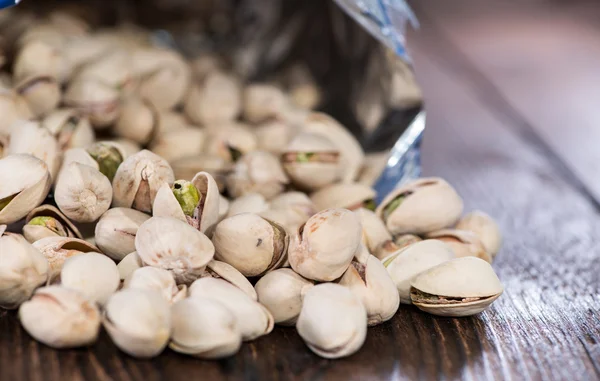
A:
(219, 206)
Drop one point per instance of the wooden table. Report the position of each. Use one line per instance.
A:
(513, 96)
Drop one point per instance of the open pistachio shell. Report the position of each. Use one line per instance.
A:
(463, 243)
(257, 172)
(250, 243)
(116, 230)
(248, 203)
(177, 144)
(485, 228)
(460, 287)
(254, 320)
(41, 93)
(49, 222)
(282, 292)
(174, 245)
(333, 321)
(58, 249)
(25, 184)
(158, 280)
(70, 129)
(31, 138)
(374, 234)
(215, 98)
(262, 102)
(324, 246)
(348, 196)
(420, 207)
(230, 141)
(405, 264)
(222, 270)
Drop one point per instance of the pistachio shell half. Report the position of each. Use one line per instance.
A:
(70, 129)
(116, 230)
(158, 280)
(222, 270)
(485, 228)
(58, 249)
(47, 221)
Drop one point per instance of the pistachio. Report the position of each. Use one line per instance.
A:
(298, 203)
(129, 264)
(58, 249)
(257, 172)
(69, 129)
(230, 141)
(204, 328)
(94, 99)
(374, 234)
(177, 144)
(116, 230)
(302, 88)
(40, 93)
(333, 321)
(138, 322)
(222, 270)
(138, 121)
(348, 196)
(158, 280)
(37, 58)
(94, 275)
(253, 319)
(262, 102)
(186, 195)
(274, 135)
(420, 207)
(248, 203)
(460, 287)
(31, 138)
(485, 228)
(281, 291)
(13, 108)
(108, 157)
(48, 221)
(463, 243)
(113, 69)
(60, 318)
(216, 98)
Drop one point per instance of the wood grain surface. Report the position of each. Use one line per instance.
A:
(546, 325)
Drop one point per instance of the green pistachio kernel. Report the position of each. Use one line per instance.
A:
(393, 205)
(187, 196)
(370, 204)
(50, 223)
(304, 157)
(5, 201)
(108, 158)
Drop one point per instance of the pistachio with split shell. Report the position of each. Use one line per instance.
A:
(420, 207)
(22, 269)
(311, 161)
(187, 167)
(248, 203)
(108, 156)
(369, 280)
(254, 320)
(58, 249)
(405, 264)
(344, 195)
(94, 275)
(12, 108)
(204, 328)
(129, 264)
(70, 129)
(138, 179)
(173, 245)
(214, 98)
(374, 233)
(485, 228)
(324, 246)
(333, 321)
(40, 93)
(60, 318)
(158, 280)
(251, 244)
(223, 270)
(138, 322)
(195, 202)
(25, 184)
(463, 243)
(37, 58)
(230, 141)
(116, 230)
(404, 240)
(281, 291)
(47, 221)
(31, 138)
(274, 135)
(82, 193)
(460, 287)
(351, 155)
(262, 102)
(183, 142)
(257, 172)
(138, 121)
(94, 99)
(286, 218)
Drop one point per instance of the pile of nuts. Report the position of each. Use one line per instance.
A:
(218, 207)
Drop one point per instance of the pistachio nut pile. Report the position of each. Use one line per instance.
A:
(174, 203)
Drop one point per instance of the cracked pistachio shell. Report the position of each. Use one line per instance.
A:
(41, 93)
(112, 69)
(333, 321)
(222, 270)
(158, 280)
(129, 264)
(138, 179)
(257, 172)
(83, 193)
(186, 168)
(405, 264)
(281, 291)
(248, 203)
(54, 224)
(12, 108)
(463, 243)
(250, 243)
(138, 322)
(230, 141)
(485, 228)
(31, 138)
(460, 287)
(138, 121)
(70, 129)
(37, 58)
(254, 320)
(94, 99)
(94, 275)
(311, 175)
(274, 135)
(351, 154)
(60, 318)
(370, 281)
(214, 98)
(25, 184)
(176, 144)
(262, 102)
(167, 205)
(58, 249)
(22, 269)
(323, 248)
(348, 196)
(286, 218)
(174, 245)
(116, 230)
(420, 207)
(204, 328)
(374, 233)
